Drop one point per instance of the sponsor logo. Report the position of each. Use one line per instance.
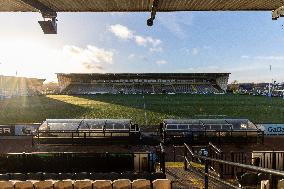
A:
(5, 130)
(275, 129)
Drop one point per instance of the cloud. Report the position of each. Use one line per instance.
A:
(195, 51)
(141, 57)
(156, 49)
(131, 56)
(161, 62)
(263, 57)
(245, 57)
(176, 23)
(140, 40)
(90, 54)
(205, 69)
(91, 57)
(123, 32)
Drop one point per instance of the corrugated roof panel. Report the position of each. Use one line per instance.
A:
(98, 5)
(144, 5)
(215, 5)
(15, 6)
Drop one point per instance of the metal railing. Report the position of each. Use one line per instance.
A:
(217, 136)
(190, 156)
(84, 137)
(162, 158)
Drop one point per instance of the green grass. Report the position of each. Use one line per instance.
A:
(158, 107)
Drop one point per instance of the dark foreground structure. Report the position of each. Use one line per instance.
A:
(87, 131)
(139, 83)
(11, 86)
(210, 130)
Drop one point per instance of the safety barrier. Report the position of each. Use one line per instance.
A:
(252, 175)
(87, 184)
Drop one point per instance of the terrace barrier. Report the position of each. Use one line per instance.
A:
(210, 163)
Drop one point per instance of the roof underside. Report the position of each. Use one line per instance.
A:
(110, 76)
(142, 5)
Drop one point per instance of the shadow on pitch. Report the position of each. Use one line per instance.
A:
(36, 109)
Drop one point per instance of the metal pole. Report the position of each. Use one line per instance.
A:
(232, 168)
(273, 177)
(174, 153)
(221, 167)
(164, 163)
(206, 175)
(32, 139)
(72, 139)
(185, 156)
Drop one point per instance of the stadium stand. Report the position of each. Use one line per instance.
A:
(259, 89)
(11, 86)
(150, 83)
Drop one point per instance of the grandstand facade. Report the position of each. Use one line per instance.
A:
(143, 83)
(11, 86)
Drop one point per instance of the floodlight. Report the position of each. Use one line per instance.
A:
(49, 26)
(278, 13)
(150, 22)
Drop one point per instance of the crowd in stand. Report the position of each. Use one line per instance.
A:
(259, 89)
(144, 88)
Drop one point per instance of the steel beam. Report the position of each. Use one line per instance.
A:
(154, 9)
(48, 26)
(46, 11)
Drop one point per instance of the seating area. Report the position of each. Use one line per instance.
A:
(205, 89)
(183, 88)
(82, 181)
(144, 88)
(82, 176)
(87, 184)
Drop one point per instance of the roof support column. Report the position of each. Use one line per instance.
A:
(49, 25)
(154, 8)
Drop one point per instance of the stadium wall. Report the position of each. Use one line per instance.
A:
(19, 86)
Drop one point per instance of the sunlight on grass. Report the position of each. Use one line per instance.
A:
(158, 107)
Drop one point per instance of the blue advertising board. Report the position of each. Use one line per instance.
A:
(18, 129)
(25, 129)
(272, 129)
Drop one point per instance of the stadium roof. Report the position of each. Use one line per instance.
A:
(84, 124)
(49, 8)
(139, 5)
(108, 76)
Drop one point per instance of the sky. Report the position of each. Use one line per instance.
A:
(244, 44)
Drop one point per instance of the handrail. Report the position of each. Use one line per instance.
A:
(214, 147)
(162, 148)
(244, 166)
(188, 149)
(162, 159)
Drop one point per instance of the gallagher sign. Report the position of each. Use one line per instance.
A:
(7, 130)
(273, 129)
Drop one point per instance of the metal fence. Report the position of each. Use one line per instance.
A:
(218, 167)
(85, 137)
(219, 137)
